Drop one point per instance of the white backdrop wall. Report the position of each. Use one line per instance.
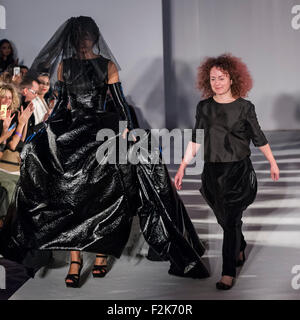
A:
(261, 32)
(264, 33)
(132, 28)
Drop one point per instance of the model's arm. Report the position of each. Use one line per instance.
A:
(267, 152)
(118, 96)
(113, 74)
(62, 101)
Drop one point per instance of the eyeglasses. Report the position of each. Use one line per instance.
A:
(32, 91)
(44, 83)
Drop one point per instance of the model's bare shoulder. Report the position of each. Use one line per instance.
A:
(113, 74)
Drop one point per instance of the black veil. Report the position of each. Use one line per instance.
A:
(68, 42)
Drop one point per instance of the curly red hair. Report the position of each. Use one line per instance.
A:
(238, 71)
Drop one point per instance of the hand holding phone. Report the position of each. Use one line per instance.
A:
(17, 71)
(3, 111)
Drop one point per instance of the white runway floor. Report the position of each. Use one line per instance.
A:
(271, 228)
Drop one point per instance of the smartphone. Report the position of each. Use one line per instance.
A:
(3, 111)
(17, 71)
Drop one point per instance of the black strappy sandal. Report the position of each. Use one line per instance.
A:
(74, 277)
(101, 268)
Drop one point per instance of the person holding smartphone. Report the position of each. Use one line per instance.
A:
(9, 103)
(13, 125)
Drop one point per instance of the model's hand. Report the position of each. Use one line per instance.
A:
(274, 172)
(178, 178)
(124, 134)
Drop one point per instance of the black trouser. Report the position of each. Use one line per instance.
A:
(229, 188)
(233, 239)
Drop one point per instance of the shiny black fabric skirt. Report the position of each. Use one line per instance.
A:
(228, 186)
(69, 199)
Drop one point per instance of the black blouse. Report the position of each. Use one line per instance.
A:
(228, 129)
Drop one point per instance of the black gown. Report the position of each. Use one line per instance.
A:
(66, 199)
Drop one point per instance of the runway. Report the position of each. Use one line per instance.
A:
(271, 227)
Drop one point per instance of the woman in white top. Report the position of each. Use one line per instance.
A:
(41, 108)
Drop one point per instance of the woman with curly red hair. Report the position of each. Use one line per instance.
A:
(229, 182)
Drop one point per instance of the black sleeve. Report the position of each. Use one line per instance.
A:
(257, 136)
(120, 101)
(62, 100)
(198, 124)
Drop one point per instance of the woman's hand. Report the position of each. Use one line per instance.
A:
(178, 178)
(24, 116)
(7, 120)
(47, 114)
(51, 105)
(266, 150)
(7, 134)
(274, 172)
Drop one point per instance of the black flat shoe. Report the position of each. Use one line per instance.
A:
(198, 271)
(240, 263)
(101, 268)
(222, 286)
(74, 277)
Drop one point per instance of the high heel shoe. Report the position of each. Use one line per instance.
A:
(223, 286)
(74, 277)
(101, 268)
(239, 263)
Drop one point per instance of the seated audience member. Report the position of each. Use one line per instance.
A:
(6, 55)
(24, 70)
(9, 176)
(13, 126)
(8, 77)
(9, 97)
(18, 78)
(29, 88)
(44, 102)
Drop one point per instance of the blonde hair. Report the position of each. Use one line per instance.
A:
(15, 96)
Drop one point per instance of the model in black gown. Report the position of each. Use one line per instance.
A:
(67, 199)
